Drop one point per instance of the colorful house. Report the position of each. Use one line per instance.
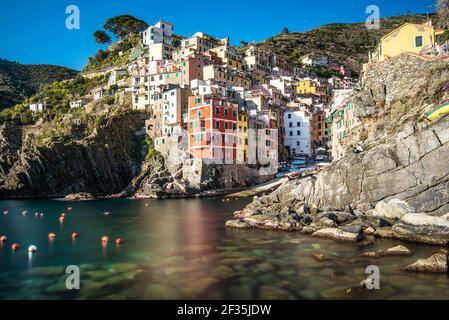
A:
(409, 37)
(311, 87)
(211, 128)
(242, 137)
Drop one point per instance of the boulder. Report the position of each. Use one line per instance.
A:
(392, 210)
(321, 257)
(238, 224)
(339, 234)
(435, 264)
(420, 227)
(391, 252)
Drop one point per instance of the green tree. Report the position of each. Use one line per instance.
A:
(102, 37)
(124, 25)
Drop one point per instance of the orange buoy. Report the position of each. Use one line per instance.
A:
(51, 235)
(3, 239)
(74, 235)
(61, 219)
(119, 241)
(69, 209)
(15, 247)
(105, 239)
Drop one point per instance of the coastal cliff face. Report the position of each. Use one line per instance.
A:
(102, 163)
(403, 161)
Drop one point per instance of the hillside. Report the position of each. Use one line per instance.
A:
(20, 81)
(348, 43)
(403, 169)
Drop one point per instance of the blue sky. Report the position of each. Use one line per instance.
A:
(35, 32)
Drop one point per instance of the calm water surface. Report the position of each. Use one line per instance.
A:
(179, 249)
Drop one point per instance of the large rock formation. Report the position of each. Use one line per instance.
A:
(403, 160)
(103, 163)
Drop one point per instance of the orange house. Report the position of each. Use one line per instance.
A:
(212, 128)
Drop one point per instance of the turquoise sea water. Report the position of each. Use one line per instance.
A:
(180, 249)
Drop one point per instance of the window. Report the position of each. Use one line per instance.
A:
(217, 110)
(298, 144)
(298, 133)
(291, 133)
(290, 124)
(418, 41)
(217, 124)
(298, 124)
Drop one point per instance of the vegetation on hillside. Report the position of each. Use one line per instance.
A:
(347, 43)
(57, 95)
(20, 81)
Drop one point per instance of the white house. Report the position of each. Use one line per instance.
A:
(297, 124)
(78, 103)
(99, 93)
(175, 102)
(313, 59)
(38, 107)
(161, 32)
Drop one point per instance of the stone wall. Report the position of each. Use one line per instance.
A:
(206, 176)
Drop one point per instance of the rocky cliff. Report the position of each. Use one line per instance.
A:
(403, 160)
(102, 163)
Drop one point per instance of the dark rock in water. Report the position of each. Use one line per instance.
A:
(321, 257)
(79, 196)
(435, 264)
(306, 219)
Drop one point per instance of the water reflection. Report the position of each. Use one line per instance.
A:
(179, 249)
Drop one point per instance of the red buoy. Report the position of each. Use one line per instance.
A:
(74, 235)
(15, 247)
(5, 212)
(3, 239)
(51, 235)
(105, 239)
(24, 213)
(119, 241)
(69, 209)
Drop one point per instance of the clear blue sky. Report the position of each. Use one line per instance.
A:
(34, 31)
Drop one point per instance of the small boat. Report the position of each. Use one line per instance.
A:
(436, 113)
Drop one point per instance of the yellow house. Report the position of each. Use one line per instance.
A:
(242, 137)
(311, 87)
(409, 37)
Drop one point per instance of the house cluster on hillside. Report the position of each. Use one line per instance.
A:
(245, 105)
(220, 95)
